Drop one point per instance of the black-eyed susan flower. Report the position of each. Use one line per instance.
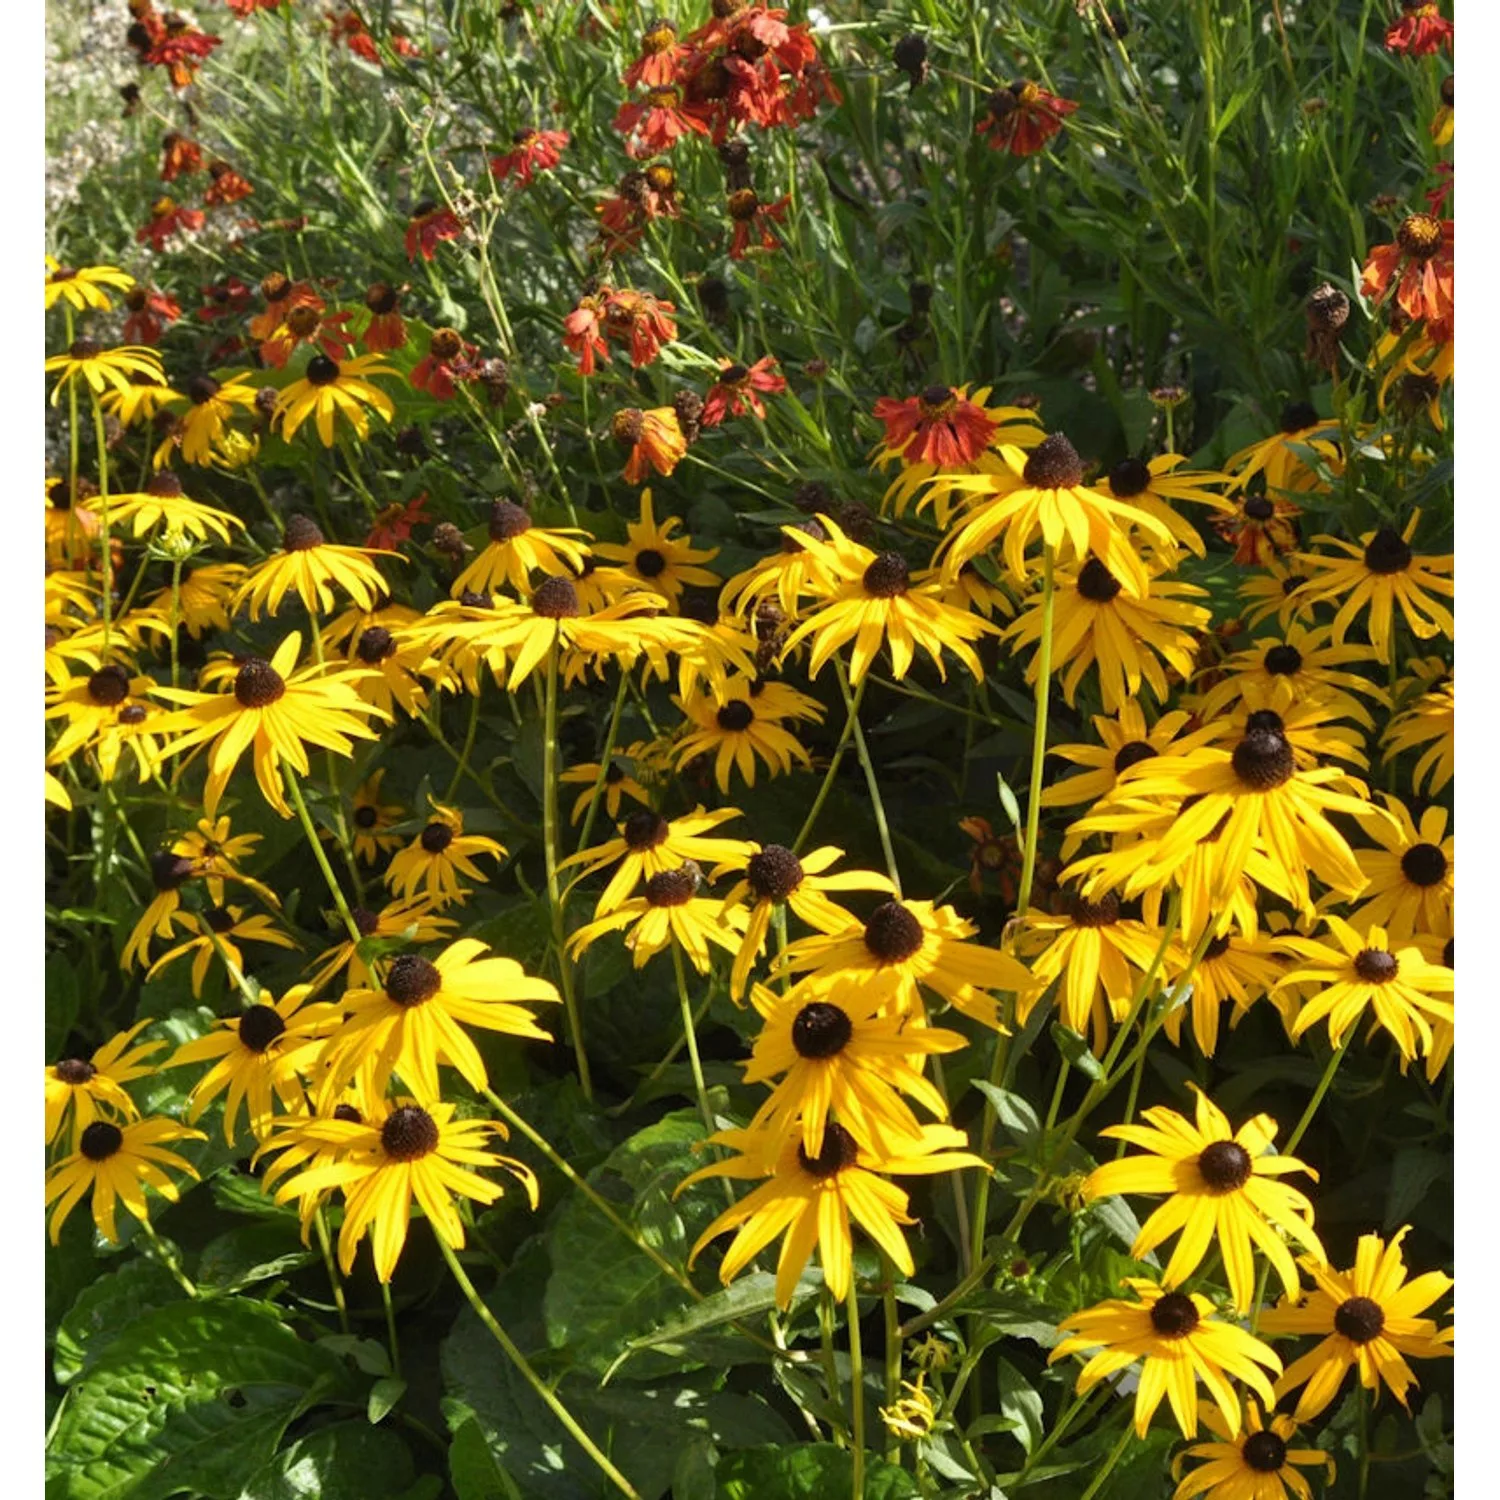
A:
(1361, 969)
(1098, 957)
(432, 863)
(83, 288)
(311, 565)
(1311, 726)
(1180, 1342)
(371, 819)
(1278, 457)
(668, 912)
(783, 577)
(215, 853)
(203, 598)
(1256, 1464)
(89, 367)
(118, 1163)
(904, 947)
(139, 402)
(517, 549)
(81, 1090)
(1411, 874)
(1368, 1317)
(1125, 740)
(1154, 486)
(1224, 1188)
(260, 1058)
(810, 1200)
(395, 662)
(330, 389)
(412, 921)
(277, 709)
(414, 1021)
(211, 405)
(220, 931)
(1304, 661)
(163, 504)
(1128, 637)
(772, 876)
(1428, 721)
(400, 1154)
(1261, 528)
(1045, 496)
(845, 1053)
(874, 599)
(629, 772)
(1380, 573)
(106, 711)
(650, 844)
(736, 730)
(657, 559)
(1233, 967)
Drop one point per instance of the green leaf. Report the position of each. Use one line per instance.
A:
(1020, 1403)
(105, 1309)
(348, 1461)
(693, 1478)
(1008, 801)
(474, 1470)
(252, 1253)
(1413, 1172)
(1076, 1050)
(193, 1396)
(809, 1471)
(746, 1298)
(384, 1395)
(1013, 1112)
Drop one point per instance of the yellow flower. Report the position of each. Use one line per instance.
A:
(914, 1415)
(1233, 967)
(1125, 741)
(1305, 663)
(1276, 457)
(85, 1090)
(1427, 721)
(230, 927)
(311, 565)
(413, 921)
(329, 389)
(1411, 875)
(620, 780)
(656, 559)
(781, 578)
(83, 288)
(118, 1162)
(162, 503)
(517, 549)
(1222, 1186)
(670, 911)
(736, 728)
(211, 404)
(434, 860)
(1153, 486)
(90, 365)
(1255, 1465)
(203, 598)
(371, 818)
(106, 711)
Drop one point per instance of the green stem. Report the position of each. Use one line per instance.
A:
(167, 1258)
(390, 1328)
(826, 1319)
(175, 614)
(1118, 1453)
(529, 1375)
(467, 750)
(856, 1393)
(892, 1350)
(335, 1281)
(851, 718)
(107, 560)
(1324, 1083)
(1038, 737)
(690, 1036)
(851, 707)
(606, 756)
(290, 777)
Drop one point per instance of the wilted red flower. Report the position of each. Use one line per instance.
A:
(1022, 118)
(281, 294)
(640, 197)
(751, 216)
(148, 315)
(428, 228)
(1420, 31)
(1438, 196)
(583, 333)
(534, 151)
(386, 329)
(227, 185)
(640, 320)
(167, 219)
(394, 524)
(936, 427)
(180, 50)
(179, 155)
(1423, 256)
(738, 389)
(657, 122)
(654, 439)
(1259, 528)
(243, 8)
(225, 299)
(661, 57)
(447, 361)
(306, 323)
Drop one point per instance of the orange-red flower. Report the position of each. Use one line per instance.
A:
(394, 524)
(1022, 118)
(428, 228)
(640, 197)
(307, 323)
(447, 361)
(661, 56)
(148, 314)
(752, 216)
(640, 320)
(657, 122)
(1420, 262)
(654, 439)
(583, 333)
(937, 427)
(180, 50)
(243, 8)
(1420, 31)
(228, 186)
(179, 155)
(279, 295)
(1260, 528)
(225, 299)
(168, 218)
(386, 329)
(738, 389)
(532, 151)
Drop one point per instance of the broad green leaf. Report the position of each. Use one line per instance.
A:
(348, 1461)
(384, 1395)
(474, 1470)
(1075, 1049)
(252, 1253)
(808, 1471)
(1020, 1403)
(105, 1309)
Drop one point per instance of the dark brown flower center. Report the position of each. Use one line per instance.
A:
(1259, 508)
(84, 349)
(555, 599)
(1133, 754)
(412, 979)
(838, 1151)
(735, 716)
(1387, 552)
(742, 204)
(169, 870)
(301, 534)
(101, 1140)
(507, 521)
(258, 684)
(644, 830)
(436, 837)
(1283, 661)
(1298, 416)
(133, 714)
(1263, 760)
(821, 1030)
(1264, 1452)
(1104, 912)
(1096, 583)
(1224, 1166)
(1174, 1315)
(1217, 948)
(1376, 966)
(375, 644)
(382, 299)
(166, 485)
(74, 1071)
(774, 873)
(366, 922)
(446, 344)
(893, 934)
(409, 1133)
(1424, 864)
(302, 321)
(627, 426)
(109, 685)
(321, 370)
(1360, 1319)
(219, 919)
(1420, 235)
(349, 1113)
(649, 563)
(259, 1026)
(672, 887)
(887, 576)
(366, 817)
(1053, 464)
(1130, 477)
(202, 389)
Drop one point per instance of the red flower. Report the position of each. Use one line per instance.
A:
(226, 299)
(535, 151)
(227, 186)
(179, 155)
(429, 226)
(447, 361)
(1438, 196)
(639, 319)
(166, 220)
(937, 427)
(583, 334)
(244, 8)
(751, 215)
(1420, 32)
(386, 329)
(640, 197)
(306, 324)
(738, 389)
(148, 315)
(280, 295)
(654, 439)
(661, 57)
(657, 122)
(1423, 257)
(394, 524)
(180, 51)
(1021, 119)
